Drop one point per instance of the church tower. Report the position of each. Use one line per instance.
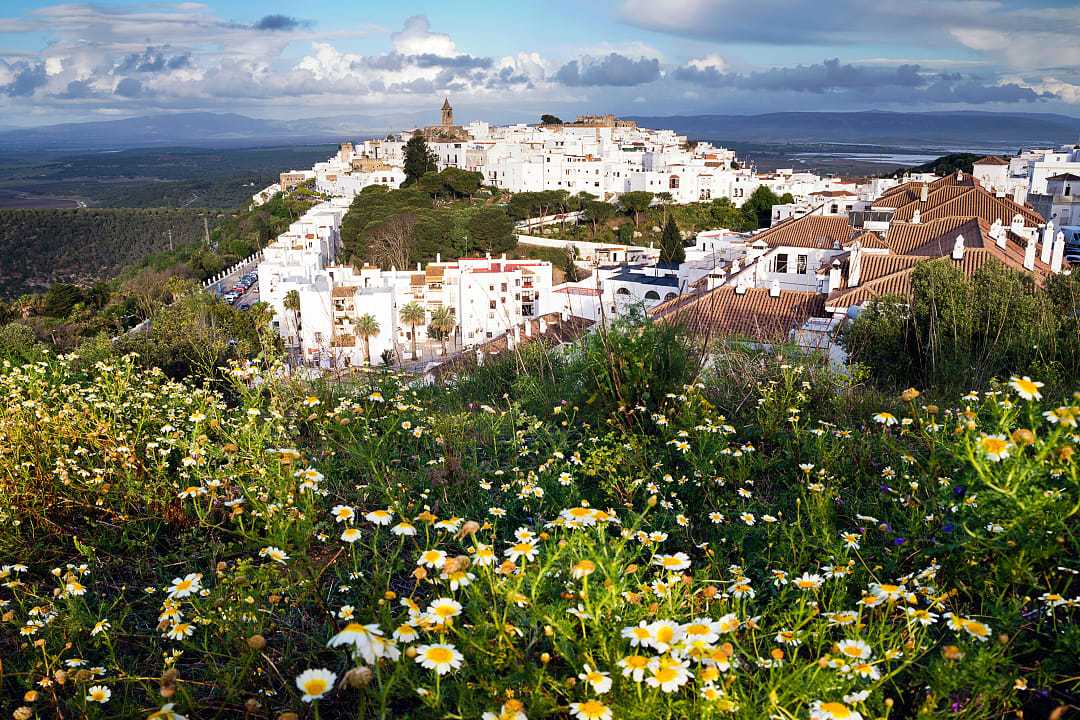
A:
(447, 113)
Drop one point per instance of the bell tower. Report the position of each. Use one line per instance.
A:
(447, 113)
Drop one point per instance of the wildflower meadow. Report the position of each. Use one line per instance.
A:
(577, 537)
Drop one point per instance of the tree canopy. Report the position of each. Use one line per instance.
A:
(419, 159)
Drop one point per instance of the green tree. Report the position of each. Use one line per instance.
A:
(546, 119)
(671, 243)
(491, 230)
(419, 159)
(598, 212)
(61, 298)
(367, 327)
(442, 323)
(413, 315)
(758, 207)
(636, 204)
(291, 302)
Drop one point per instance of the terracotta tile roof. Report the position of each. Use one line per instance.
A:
(810, 231)
(343, 291)
(1064, 176)
(936, 239)
(753, 314)
(899, 283)
(874, 267)
(992, 160)
(968, 202)
(871, 240)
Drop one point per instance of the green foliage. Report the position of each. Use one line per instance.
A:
(197, 333)
(671, 243)
(18, 344)
(61, 299)
(597, 213)
(419, 159)
(400, 227)
(944, 165)
(40, 247)
(491, 230)
(758, 207)
(636, 203)
(546, 119)
(955, 333)
(814, 544)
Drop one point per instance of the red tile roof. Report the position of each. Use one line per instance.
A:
(992, 160)
(753, 314)
(810, 231)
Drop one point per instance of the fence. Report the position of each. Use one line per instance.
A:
(215, 284)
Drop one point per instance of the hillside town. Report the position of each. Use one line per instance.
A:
(836, 247)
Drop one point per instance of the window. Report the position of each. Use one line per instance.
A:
(622, 291)
(652, 295)
(491, 305)
(780, 263)
(673, 182)
(802, 265)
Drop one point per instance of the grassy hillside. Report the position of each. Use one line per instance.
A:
(614, 532)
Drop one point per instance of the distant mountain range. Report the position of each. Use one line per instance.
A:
(939, 131)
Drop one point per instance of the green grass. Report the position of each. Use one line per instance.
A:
(574, 493)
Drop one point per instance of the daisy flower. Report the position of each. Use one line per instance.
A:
(525, 549)
(342, 513)
(404, 529)
(590, 710)
(854, 649)
(1026, 388)
(351, 535)
(995, 447)
(98, 693)
(678, 561)
(668, 674)
(182, 587)
(440, 657)
(583, 569)
(634, 666)
(832, 711)
(600, 682)
(274, 553)
(638, 635)
(443, 610)
(315, 683)
(380, 517)
(432, 559)
(885, 418)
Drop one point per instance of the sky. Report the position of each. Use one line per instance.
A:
(511, 61)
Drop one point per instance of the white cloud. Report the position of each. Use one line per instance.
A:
(417, 39)
(711, 61)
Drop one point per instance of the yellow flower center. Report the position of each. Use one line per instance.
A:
(837, 710)
(315, 686)
(439, 655)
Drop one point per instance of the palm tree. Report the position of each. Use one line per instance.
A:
(291, 302)
(367, 327)
(412, 314)
(442, 321)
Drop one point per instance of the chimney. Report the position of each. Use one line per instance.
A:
(924, 194)
(528, 328)
(417, 267)
(543, 326)
(735, 266)
(740, 287)
(916, 217)
(958, 248)
(1047, 241)
(1017, 224)
(1029, 253)
(1058, 252)
(997, 233)
(834, 276)
(854, 268)
(774, 289)
(438, 257)
(959, 175)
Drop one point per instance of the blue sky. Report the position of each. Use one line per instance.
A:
(510, 61)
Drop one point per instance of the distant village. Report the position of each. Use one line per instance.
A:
(837, 247)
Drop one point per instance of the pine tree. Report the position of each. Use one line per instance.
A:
(419, 159)
(671, 245)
